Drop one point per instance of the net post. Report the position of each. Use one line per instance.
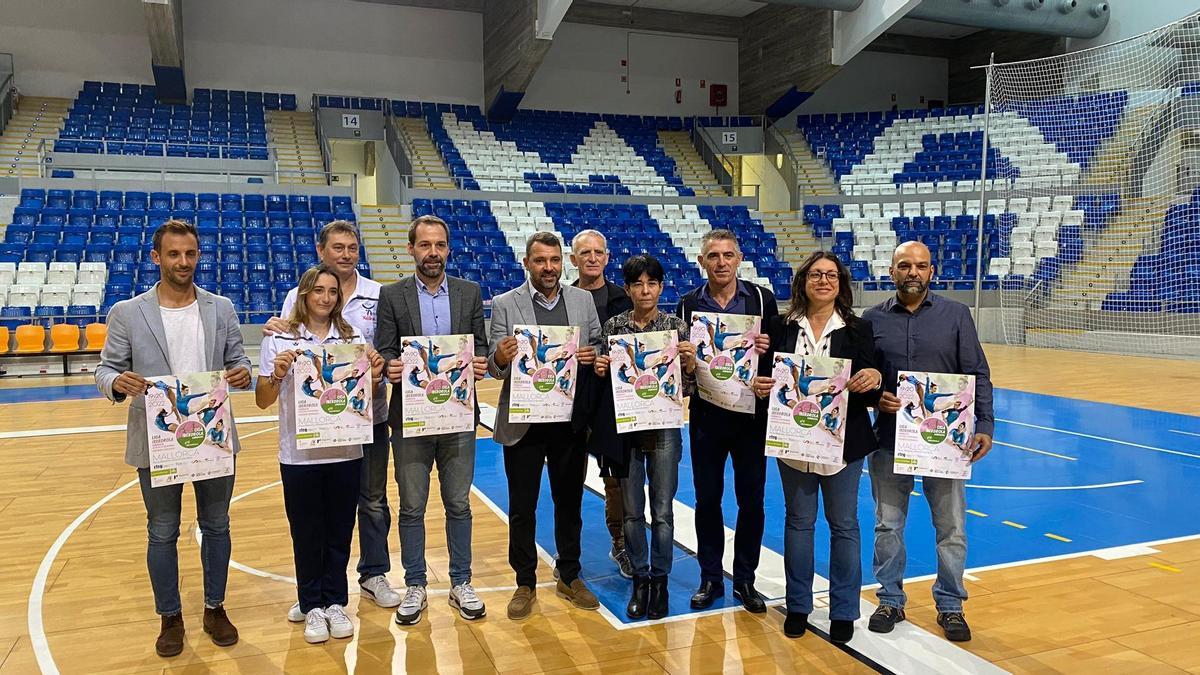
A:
(987, 113)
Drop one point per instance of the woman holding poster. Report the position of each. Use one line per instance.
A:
(655, 450)
(820, 324)
(320, 485)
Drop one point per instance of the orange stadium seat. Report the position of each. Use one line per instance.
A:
(3, 339)
(95, 334)
(31, 339)
(64, 337)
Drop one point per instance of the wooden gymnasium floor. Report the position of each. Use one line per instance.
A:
(74, 593)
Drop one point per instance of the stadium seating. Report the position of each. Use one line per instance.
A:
(554, 152)
(489, 238)
(1032, 144)
(1168, 280)
(70, 255)
(124, 119)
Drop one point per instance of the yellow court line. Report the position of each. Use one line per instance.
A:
(977, 513)
(1165, 567)
(1012, 524)
(1058, 538)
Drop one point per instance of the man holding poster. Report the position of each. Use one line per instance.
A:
(649, 375)
(923, 332)
(176, 328)
(717, 434)
(543, 302)
(431, 334)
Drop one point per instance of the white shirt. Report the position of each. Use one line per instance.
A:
(816, 345)
(185, 338)
(288, 452)
(360, 311)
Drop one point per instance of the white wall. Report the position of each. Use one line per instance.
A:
(870, 79)
(1128, 18)
(582, 71)
(291, 46)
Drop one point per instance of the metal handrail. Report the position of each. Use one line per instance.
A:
(520, 185)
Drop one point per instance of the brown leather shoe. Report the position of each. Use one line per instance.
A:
(217, 624)
(521, 604)
(170, 636)
(578, 594)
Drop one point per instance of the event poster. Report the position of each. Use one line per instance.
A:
(806, 416)
(935, 425)
(647, 381)
(726, 361)
(332, 395)
(189, 428)
(438, 384)
(544, 373)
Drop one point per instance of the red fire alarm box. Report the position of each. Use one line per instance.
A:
(718, 95)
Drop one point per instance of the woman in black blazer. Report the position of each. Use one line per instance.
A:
(821, 322)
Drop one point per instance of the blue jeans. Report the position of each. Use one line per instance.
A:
(947, 504)
(163, 506)
(455, 458)
(840, 492)
(374, 517)
(655, 456)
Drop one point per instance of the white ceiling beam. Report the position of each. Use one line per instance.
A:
(549, 15)
(853, 31)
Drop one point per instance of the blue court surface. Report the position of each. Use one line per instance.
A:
(1066, 476)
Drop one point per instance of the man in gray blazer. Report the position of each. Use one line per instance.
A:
(176, 328)
(542, 300)
(426, 304)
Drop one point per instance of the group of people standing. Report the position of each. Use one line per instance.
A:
(177, 327)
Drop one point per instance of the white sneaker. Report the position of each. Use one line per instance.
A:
(340, 625)
(463, 598)
(378, 589)
(295, 615)
(316, 626)
(411, 607)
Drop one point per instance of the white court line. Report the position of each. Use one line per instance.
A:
(70, 431)
(1035, 450)
(37, 629)
(1185, 433)
(1101, 438)
(1097, 486)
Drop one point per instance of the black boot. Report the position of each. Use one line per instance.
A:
(795, 624)
(636, 609)
(707, 594)
(657, 603)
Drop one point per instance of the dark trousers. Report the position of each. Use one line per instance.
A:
(321, 501)
(614, 512)
(563, 452)
(715, 435)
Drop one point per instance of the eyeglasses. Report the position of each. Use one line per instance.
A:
(817, 276)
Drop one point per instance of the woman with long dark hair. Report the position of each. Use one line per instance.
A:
(821, 322)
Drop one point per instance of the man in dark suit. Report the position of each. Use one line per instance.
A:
(432, 303)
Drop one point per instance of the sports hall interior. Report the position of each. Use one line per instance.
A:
(1058, 192)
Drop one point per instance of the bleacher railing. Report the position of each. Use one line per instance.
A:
(518, 184)
(7, 92)
(775, 143)
(169, 179)
(717, 162)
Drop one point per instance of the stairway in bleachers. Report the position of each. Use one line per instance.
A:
(794, 239)
(812, 176)
(37, 119)
(1114, 158)
(689, 165)
(384, 230)
(292, 135)
(1114, 249)
(429, 172)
